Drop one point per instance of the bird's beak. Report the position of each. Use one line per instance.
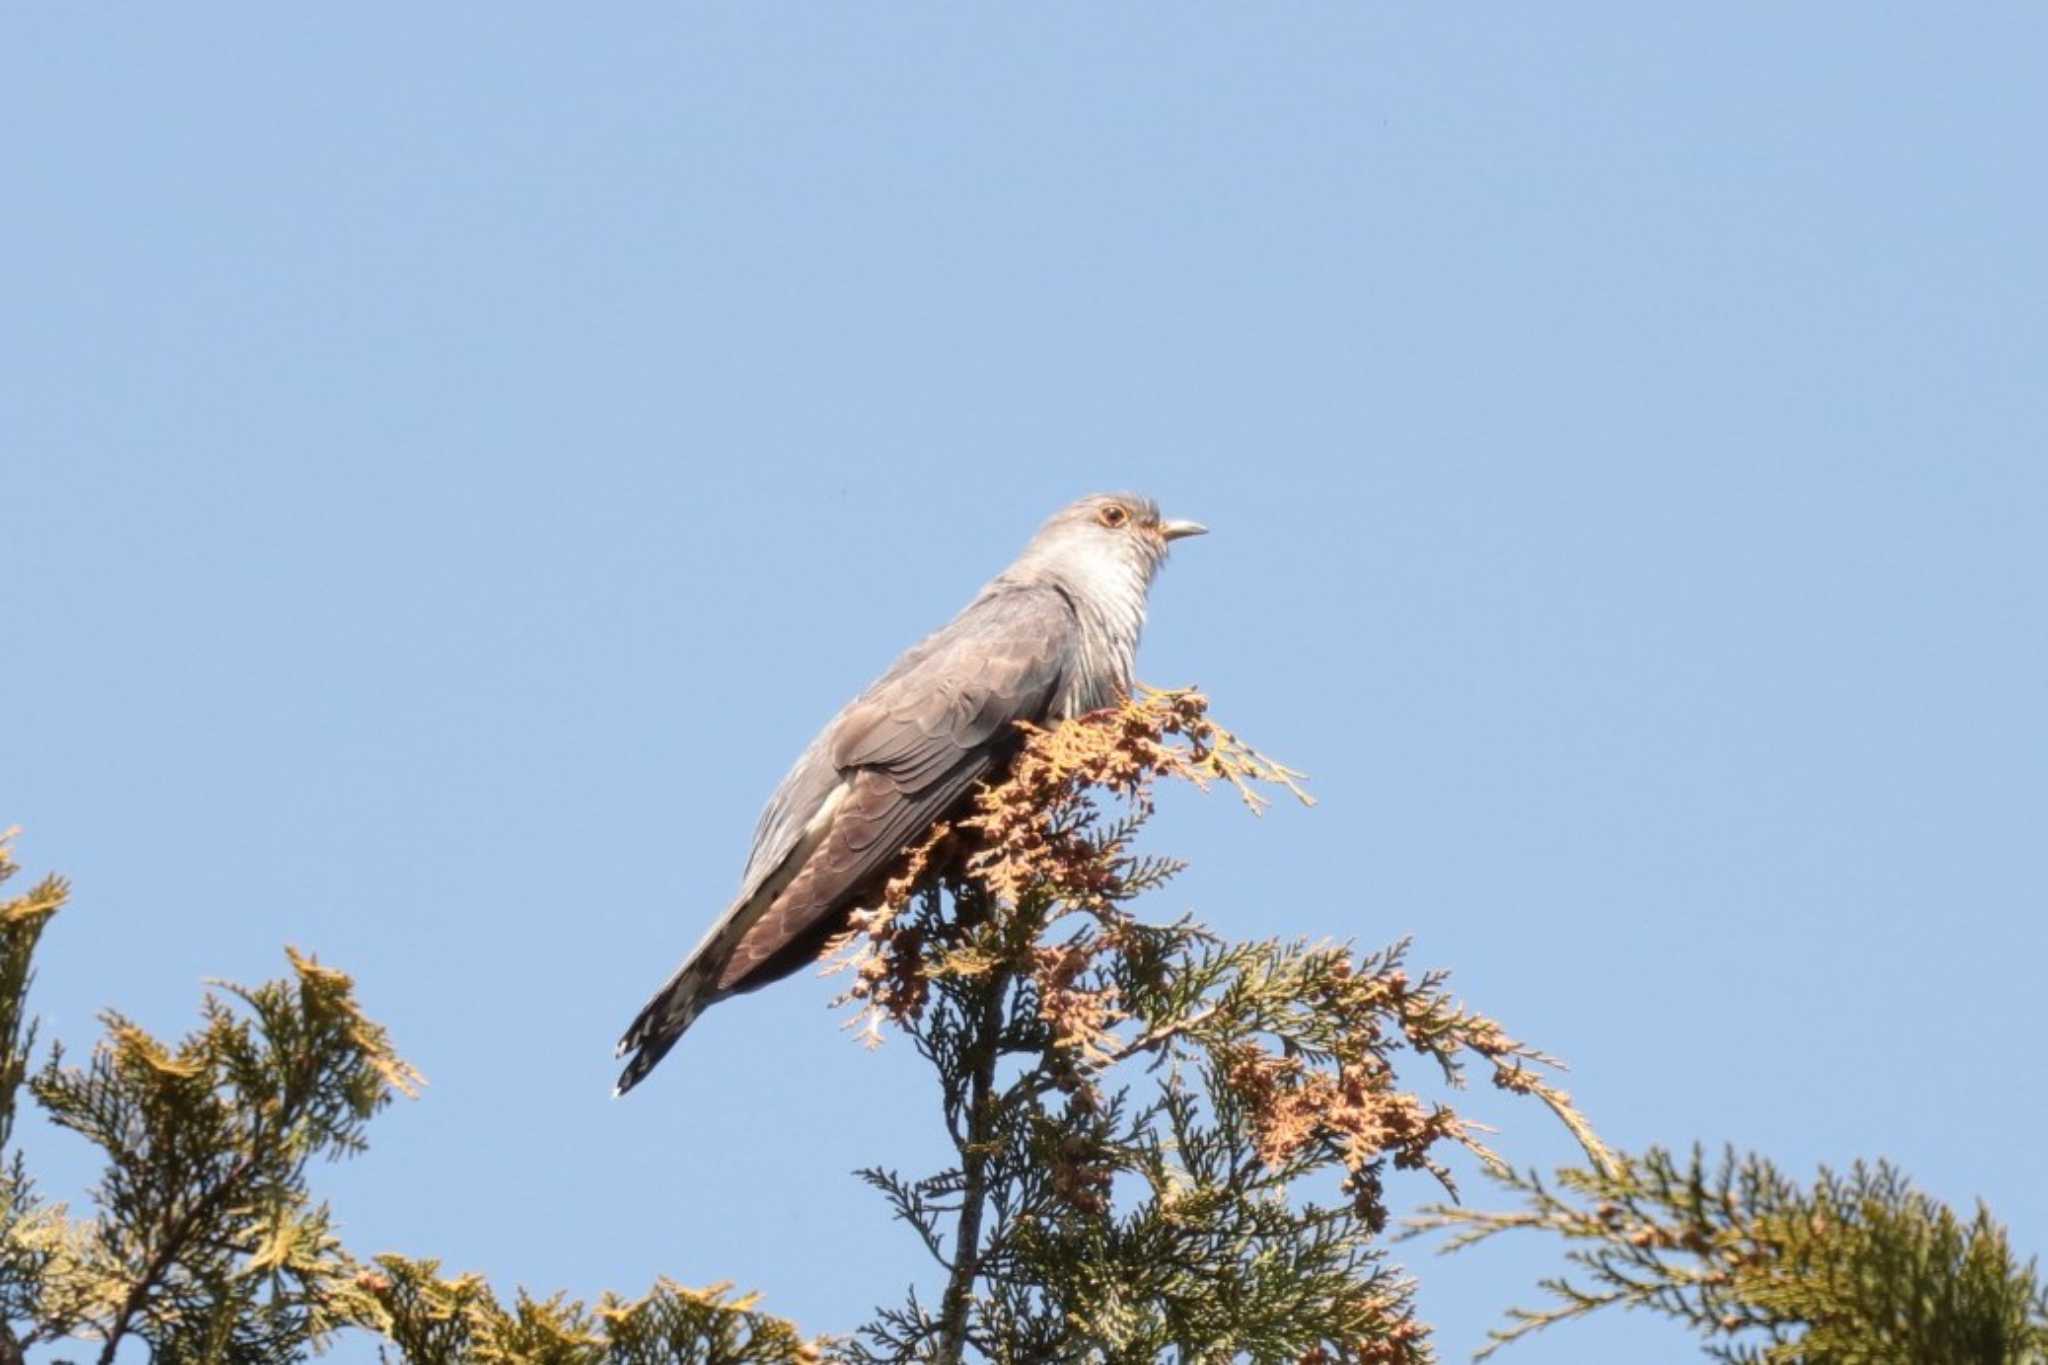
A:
(1174, 530)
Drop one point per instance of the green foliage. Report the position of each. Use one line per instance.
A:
(1150, 1123)
(208, 1245)
(1167, 1147)
(21, 928)
(36, 1244)
(432, 1321)
(1857, 1270)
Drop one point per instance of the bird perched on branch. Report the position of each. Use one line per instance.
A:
(1052, 636)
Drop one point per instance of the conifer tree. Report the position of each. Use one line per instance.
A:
(1170, 1147)
(1859, 1269)
(1167, 1147)
(207, 1245)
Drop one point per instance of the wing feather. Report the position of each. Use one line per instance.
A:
(909, 749)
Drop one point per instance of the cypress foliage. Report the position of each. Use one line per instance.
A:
(1859, 1269)
(207, 1243)
(1166, 1147)
(1169, 1146)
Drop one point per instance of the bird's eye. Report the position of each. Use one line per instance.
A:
(1113, 516)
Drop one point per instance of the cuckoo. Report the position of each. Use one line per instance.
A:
(1052, 636)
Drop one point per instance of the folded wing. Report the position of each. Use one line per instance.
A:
(907, 751)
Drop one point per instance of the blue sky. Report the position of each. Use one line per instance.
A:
(452, 459)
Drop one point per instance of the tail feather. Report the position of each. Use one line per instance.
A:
(692, 987)
(660, 1022)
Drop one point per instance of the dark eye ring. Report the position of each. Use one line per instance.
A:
(1113, 516)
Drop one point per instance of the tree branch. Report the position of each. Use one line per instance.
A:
(974, 1159)
(173, 1247)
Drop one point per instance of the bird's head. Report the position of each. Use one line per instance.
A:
(1107, 545)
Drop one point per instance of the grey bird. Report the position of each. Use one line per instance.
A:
(1054, 635)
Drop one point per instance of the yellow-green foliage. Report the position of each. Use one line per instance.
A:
(1165, 1147)
(435, 1321)
(1857, 1270)
(207, 1243)
(21, 928)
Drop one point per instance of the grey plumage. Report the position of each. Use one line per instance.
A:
(1054, 635)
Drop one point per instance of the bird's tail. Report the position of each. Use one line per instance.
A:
(660, 1022)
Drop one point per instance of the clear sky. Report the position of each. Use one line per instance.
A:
(452, 458)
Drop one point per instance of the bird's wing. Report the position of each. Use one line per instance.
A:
(910, 747)
(799, 797)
